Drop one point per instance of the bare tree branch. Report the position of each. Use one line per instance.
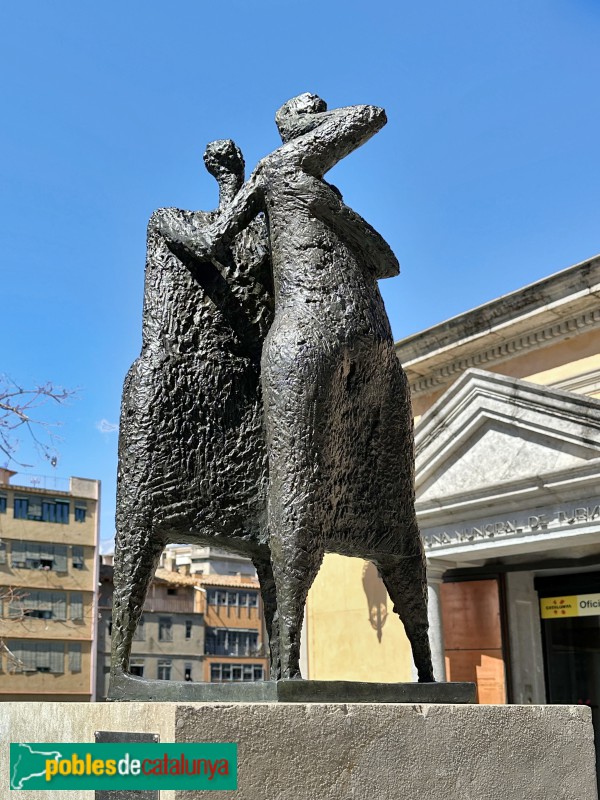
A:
(18, 412)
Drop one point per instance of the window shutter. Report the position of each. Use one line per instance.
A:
(43, 653)
(59, 605)
(21, 508)
(74, 657)
(16, 655)
(76, 605)
(32, 551)
(77, 556)
(60, 558)
(18, 553)
(28, 655)
(34, 508)
(62, 513)
(56, 656)
(15, 607)
(39, 601)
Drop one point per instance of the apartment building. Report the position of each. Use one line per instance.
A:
(193, 559)
(193, 628)
(236, 645)
(169, 641)
(48, 588)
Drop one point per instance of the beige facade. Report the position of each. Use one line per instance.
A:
(548, 334)
(48, 567)
(351, 631)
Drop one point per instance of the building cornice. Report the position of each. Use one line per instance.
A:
(543, 313)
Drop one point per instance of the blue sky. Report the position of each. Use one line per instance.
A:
(484, 179)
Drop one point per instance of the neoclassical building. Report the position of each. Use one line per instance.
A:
(507, 411)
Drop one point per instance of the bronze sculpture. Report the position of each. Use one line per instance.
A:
(337, 415)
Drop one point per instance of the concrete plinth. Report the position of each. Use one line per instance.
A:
(314, 751)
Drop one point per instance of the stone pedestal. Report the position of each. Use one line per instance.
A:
(344, 751)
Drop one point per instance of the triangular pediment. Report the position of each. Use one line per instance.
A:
(489, 430)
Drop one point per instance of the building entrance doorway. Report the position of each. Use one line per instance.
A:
(570, 612)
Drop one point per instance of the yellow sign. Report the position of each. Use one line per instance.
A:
(581, 605)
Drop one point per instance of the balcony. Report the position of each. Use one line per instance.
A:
(170, 605)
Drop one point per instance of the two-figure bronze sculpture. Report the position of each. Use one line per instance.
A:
(268, 413)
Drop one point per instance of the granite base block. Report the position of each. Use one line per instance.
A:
(344, 751)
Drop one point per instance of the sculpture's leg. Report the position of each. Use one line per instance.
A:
(406, 582)
(295, 567)
(269, 600)
(137, 552)
(296, 491)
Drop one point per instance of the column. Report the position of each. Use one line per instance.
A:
(435, 574)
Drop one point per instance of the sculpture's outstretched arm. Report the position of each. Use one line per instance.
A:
(370, 247)
(231, 218)
(341, 132)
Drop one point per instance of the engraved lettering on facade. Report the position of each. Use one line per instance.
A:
(531, 523)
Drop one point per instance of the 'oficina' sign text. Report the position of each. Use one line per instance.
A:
(538, 523)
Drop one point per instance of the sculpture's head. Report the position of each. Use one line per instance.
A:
(299, 115)
(224, 158)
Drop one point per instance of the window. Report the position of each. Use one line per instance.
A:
(55, 511)
(187, 672)
(140, 632)
(164, 669)
(40, 604)
(109, 625)
(136, 667)
(41, 510)
(188, 628)
(21, 505)
(230, 642)
(232, 598)
(36, 555)
(76, 603)
(171, 591)
(2, 552)
(80, 511)
(165, 630)
(218, 597)
(37, 656)
(236, 673)
(77, 556)
(74, 657)
(3, 503)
